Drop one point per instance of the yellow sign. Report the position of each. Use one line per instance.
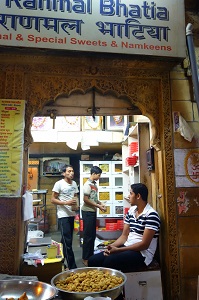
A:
(11, 146)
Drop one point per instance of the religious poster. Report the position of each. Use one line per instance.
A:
(117, 123)
(11, 146)
(186, 167)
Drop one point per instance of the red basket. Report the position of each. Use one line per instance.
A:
(120, 224)
(133, 147)
(131, 161)
(111, 226)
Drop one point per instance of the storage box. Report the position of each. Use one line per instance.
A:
(51, 251)
(143, 286)
(120, 224)
(111, 226)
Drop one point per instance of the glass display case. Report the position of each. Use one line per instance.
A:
(110, 184)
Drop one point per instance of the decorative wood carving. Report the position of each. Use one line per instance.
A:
(41, 78)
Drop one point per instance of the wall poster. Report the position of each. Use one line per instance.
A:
(186, 167)
(11, 146)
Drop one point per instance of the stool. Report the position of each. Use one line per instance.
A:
(144, 285)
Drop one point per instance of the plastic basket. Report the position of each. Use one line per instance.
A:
(120, 224)
(111, 226)
(131, 161)
(133, 147)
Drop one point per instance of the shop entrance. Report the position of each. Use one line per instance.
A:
(38, 77)
(113, 138)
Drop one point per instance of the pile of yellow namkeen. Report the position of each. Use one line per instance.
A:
(91, 281)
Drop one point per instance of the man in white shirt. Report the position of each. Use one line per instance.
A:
(64, 195)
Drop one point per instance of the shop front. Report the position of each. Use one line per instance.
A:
(39, 76)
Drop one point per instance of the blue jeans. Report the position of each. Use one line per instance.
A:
(89, 233)
(66, 227)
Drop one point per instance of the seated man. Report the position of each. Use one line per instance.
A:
(136, 246)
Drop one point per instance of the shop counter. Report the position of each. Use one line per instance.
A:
(46, 271)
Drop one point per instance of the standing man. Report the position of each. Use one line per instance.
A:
(89, 213)
(64, 195)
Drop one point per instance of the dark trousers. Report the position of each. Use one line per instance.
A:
(66, 227)
(89, 233)
(126, 261)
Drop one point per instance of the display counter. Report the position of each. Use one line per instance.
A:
(46, 270)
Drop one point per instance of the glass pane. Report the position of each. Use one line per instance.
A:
(87, 167)
(85, 179)
(104, 167)
(118, 168)
(118, 210)
(118, 195)
(104, 196)
(118, 181)
(104, 181)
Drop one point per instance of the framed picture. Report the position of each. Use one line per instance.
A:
(89, 123)
(118, 123)
(68, 123)
(41, 123)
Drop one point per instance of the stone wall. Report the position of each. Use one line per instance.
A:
(186, 164)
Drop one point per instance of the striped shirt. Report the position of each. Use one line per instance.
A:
(149, 219)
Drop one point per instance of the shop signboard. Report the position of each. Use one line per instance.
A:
(155, 28)
(11, 146)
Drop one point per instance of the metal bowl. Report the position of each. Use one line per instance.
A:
(112, 293)
(34, 289)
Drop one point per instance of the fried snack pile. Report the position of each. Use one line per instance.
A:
(91, 281)
(22, 297)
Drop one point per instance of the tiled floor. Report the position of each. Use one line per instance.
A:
(56, 236)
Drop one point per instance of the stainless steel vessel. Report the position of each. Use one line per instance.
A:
(112, 293)
(36, 290)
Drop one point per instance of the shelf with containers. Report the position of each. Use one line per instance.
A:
(39, 209)
(110, 192)
(135, 168)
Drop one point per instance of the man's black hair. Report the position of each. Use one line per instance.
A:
(96, 170)
(66, 167)
(140, 188)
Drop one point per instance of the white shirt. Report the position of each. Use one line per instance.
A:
(66, 192)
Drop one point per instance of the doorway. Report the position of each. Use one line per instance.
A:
(108, 145)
